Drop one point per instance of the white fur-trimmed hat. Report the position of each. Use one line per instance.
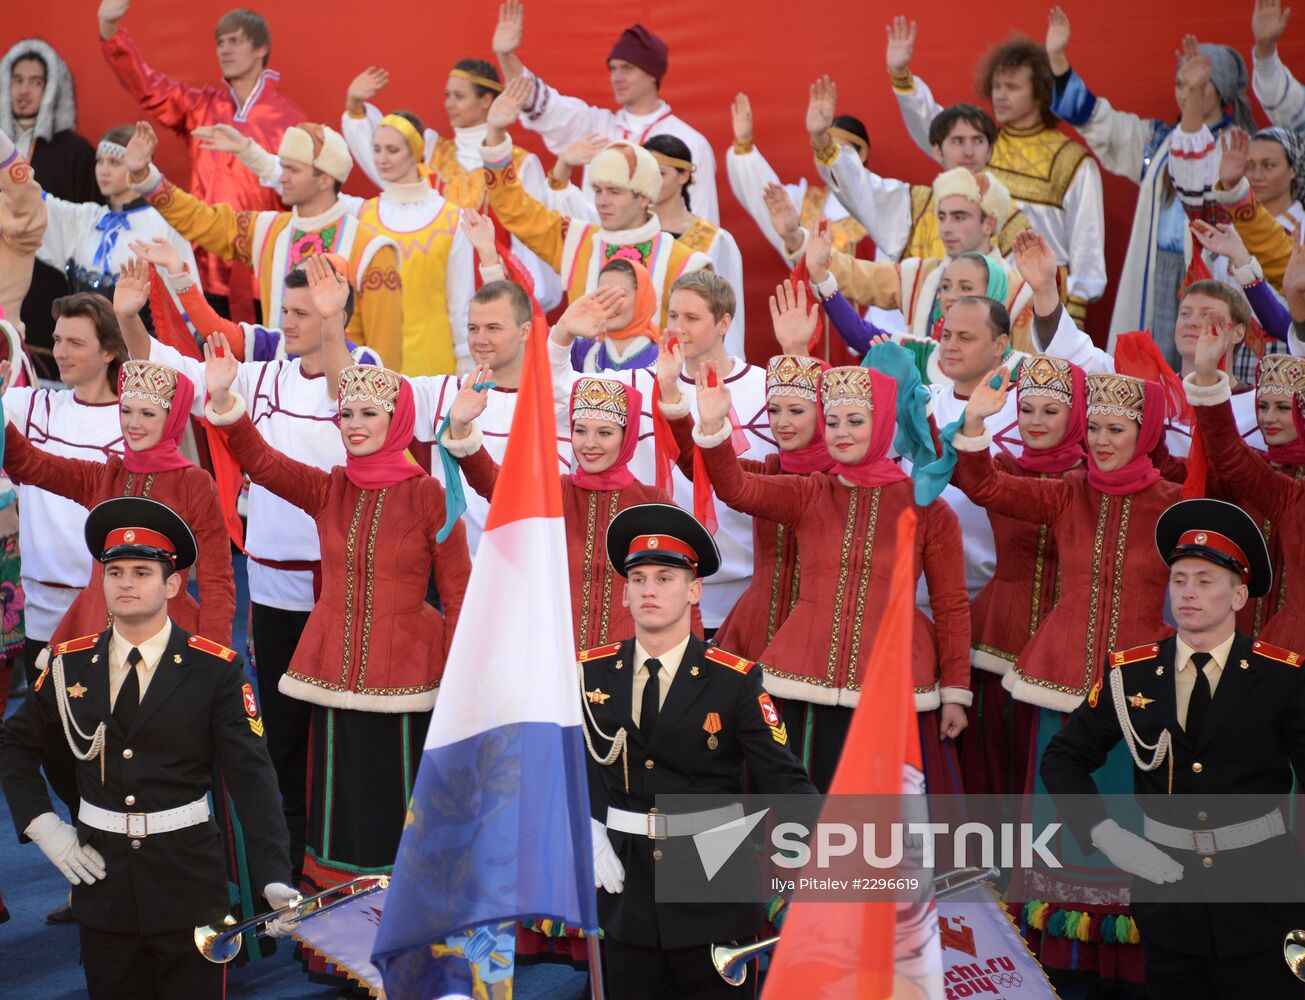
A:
(982, 188)
(629, 167)
(317, 146)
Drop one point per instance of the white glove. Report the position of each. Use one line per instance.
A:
(609, 873)
(1133, 854)
(280, 896)
(80, 863)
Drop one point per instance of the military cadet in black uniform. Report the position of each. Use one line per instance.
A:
(693, 717)
(146, 709)
(1207, 714)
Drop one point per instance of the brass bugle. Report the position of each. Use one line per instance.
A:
(731, 961)
(1293, 952)
(220, 943)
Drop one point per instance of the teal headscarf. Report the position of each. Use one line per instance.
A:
(997, 290)
(913, 440)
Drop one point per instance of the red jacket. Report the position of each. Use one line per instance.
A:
(847, 539)
(372, 643)
(190, 492)
(214, 177)
(1274, 498)
(1025, 585)
(598, 613)
(1113, 580)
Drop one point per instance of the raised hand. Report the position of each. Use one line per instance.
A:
(140, 150)
(587, 316)
(365, 86)
(794, 325)
(220, 369)
(819, 249)
(479, 230)
(986, 400)
(110, 13)
(1212, 347)
(506, 109)
(1034, 259)
(670, 365)
(901, 45)
(133, 288)
(221, 138)
(1223, 240)
(470, 401)
(1234, 155)
(783, 216)
(1293, 283)
(713, 398)
(741, 119)
(1193, 66)
(580, 152)
(159, 251)
(1057, 40)
(330, 291)
(510, 28)
(822, 105)
(1267, 25)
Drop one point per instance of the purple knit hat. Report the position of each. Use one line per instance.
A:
(640, 47)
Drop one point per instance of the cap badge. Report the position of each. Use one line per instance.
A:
(129, 536)
(1200, 538)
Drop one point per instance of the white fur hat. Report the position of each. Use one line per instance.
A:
(629, 167)
(317, 146)
(983, 189)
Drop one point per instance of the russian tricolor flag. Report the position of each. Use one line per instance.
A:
(498, 828)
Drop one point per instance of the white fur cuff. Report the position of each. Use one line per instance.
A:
(673, 411)
(225, 419)
(494, 155)
(180, 282)
(152, 180)
(1233, 195)
(1249, 273)
(800, 252)
(703, 440)
(957, 696)
(1208, 395)
(963, 442)
(827, 287)
(462, 447)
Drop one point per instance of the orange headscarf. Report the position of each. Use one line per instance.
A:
(645, 307)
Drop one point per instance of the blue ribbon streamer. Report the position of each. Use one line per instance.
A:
(913, 440)
(455, 494)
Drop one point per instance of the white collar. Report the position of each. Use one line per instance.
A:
(647, 119)
(626, 237)
(471, 137)
(332, 214)
(670, 660)
(411, 194)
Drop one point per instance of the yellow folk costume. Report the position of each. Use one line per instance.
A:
(576, 249)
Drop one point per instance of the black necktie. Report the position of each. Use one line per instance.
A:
(124, 709)
(1199, 706)
(651, 703)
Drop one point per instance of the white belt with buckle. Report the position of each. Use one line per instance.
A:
(138, 825)
(659, 825)
(1223, 838)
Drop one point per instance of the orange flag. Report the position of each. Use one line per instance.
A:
(846, 949)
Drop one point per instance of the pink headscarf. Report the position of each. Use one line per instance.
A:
(616, 476)
(1140, 472)
(388, 466)
(814, 455)
(876, 468)
(164, 455)
(1070, 452)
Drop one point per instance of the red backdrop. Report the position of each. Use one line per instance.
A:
(771, 49)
